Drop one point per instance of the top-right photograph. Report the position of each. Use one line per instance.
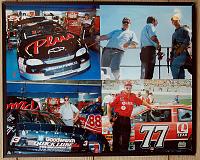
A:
(146, 42)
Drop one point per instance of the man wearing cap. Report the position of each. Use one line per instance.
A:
(118, 41)
(180, 44)
(123, 105)
(149, 44)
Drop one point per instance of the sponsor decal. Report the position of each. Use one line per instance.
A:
(94, 147)
(61, 66)
(55, 50)
(131, 146)
(85, 143)
(33, 48)
(10, 118)
(94, 123)
(48, 139)
(23, 105)
(182, 129)
(10, 129)
(127, 103)
(123, 108)
(53, 144)
(15, 139)
(182, 144)
(150, 130)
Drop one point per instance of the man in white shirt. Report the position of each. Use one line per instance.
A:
(69, 113)
(119, 41)
(87, 21)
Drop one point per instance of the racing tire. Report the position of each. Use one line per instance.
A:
(189, 143)
(104, 145)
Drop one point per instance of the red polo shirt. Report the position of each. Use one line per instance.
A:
(123, 103)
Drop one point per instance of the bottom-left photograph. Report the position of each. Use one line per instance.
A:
(53, 117)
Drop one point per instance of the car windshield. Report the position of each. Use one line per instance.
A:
(37, 117)
(138, 110)
(159, 115)
(32, 30)
(93, 109)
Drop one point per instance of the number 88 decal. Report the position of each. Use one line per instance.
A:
(94, 121)
(150, 130)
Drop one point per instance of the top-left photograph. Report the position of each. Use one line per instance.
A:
(51, 41)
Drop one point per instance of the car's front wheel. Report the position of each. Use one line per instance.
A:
(189, 143)
(100, 141)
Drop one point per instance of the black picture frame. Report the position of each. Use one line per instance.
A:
(96, 80)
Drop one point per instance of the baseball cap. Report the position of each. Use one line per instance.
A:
(175, 18)
(128, 83)
(126, 20)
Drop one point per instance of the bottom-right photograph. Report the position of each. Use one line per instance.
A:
(148, 116)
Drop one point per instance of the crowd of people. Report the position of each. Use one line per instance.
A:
(154, 85)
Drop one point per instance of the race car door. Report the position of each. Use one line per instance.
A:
(151, 129)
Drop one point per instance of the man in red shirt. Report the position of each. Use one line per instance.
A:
(123, 106)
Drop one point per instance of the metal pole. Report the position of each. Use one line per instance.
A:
(159, 68)
(168, 60)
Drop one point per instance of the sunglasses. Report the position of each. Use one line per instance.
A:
(128, 87)
(125, 22)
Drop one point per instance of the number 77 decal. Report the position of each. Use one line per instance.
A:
(150, 131)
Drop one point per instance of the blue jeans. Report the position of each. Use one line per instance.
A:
(177, 66)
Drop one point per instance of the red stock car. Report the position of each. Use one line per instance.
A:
(165, 129)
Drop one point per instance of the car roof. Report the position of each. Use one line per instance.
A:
(44, 22)
(171, 106)
(31, 20)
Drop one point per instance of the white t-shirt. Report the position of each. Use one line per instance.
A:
(88, 21)
(67, 112)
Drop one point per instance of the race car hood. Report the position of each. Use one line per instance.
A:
(51, 127)
(50, 46)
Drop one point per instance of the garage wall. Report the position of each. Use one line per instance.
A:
(166, 157)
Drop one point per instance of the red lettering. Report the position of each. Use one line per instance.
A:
(10, 106)
(36, 45)
(17, 105)
(62, 38)
(49, 41)
(22, 105)
(33, 105)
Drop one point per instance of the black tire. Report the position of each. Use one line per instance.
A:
(104, 145)
(189, 143)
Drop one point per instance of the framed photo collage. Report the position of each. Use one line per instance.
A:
(98, 79)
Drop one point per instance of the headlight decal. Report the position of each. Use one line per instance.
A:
(81, 51)
(34, 62)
